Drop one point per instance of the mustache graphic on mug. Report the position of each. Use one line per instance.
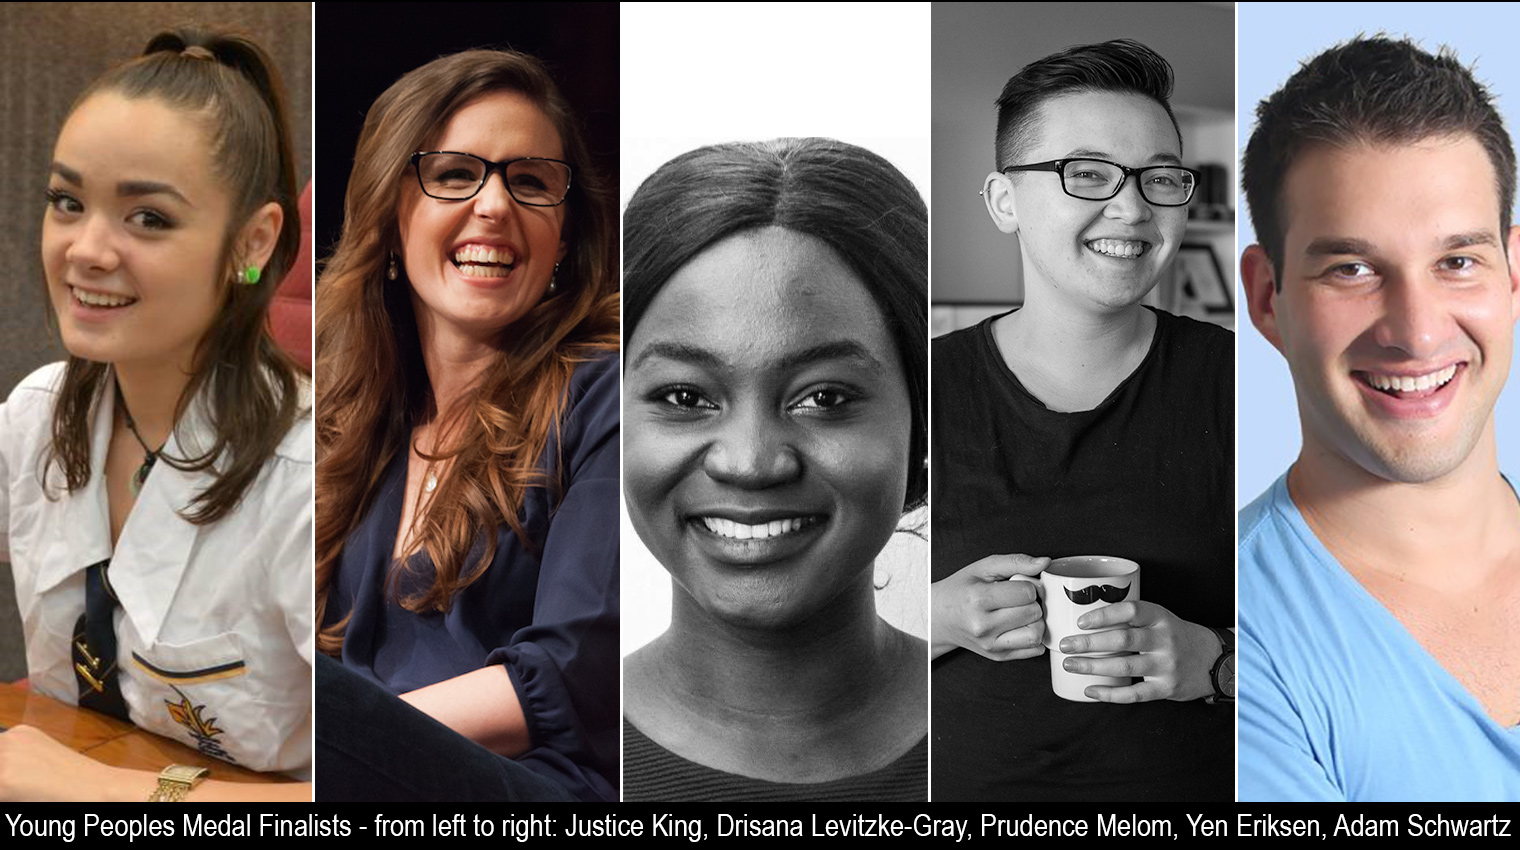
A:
(1098, 592)
(1084, 581)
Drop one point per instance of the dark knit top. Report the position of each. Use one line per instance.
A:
(653, 773)
(1147, 475)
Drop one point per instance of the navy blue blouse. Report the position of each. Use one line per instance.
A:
(549, 616)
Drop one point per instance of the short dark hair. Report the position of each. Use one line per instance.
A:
(853, 200)
(1374, 90)
(1121, 65)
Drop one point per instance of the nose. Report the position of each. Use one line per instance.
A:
(92, 247)
(1129, 206)
(752, 451)
(1415, 319)
(493, 201)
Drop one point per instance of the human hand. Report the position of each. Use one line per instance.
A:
(1174, 655)
(36, 768)
(979, 609)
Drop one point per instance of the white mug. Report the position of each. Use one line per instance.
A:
(1069, 588)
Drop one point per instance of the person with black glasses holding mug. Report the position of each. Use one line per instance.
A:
(1083, 423)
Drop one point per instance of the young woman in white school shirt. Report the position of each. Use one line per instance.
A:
(175, 443)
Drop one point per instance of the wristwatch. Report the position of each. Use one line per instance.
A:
(175, 781)
(1222, 675)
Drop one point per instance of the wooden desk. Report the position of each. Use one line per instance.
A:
(109, 740)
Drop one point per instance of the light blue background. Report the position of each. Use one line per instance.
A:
(1272, 39)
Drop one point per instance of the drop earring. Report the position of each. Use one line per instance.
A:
(553, 282)
(391, 272)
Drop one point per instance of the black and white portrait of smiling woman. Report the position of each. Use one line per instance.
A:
(774, 376)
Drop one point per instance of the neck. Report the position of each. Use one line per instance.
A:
(152, 394)
(1047, 325)
(1073, 359)
(810, 674)
(454, 359)
(1451, 530)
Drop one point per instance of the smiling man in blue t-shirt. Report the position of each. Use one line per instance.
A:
(1380, 577)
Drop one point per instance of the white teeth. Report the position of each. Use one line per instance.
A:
(472, 270)
(100, 299)
(1117, 247)
(1410, 384)
(485, 255)
(740, 531)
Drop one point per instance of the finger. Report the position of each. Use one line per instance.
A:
(1010, 594)
(1113, 666)
(1016, 654)
(1117, 614)
(1018, 643)
(1113, 640)
(1002, 566)
(987, 625)
(1149, 690)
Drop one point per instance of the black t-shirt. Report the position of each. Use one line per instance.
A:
(1147, 475)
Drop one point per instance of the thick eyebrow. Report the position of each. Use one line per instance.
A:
(678, 351)
(1156, 159)
(1469, 239)
(68, 174)
(696, 355)
(126, 188)
(1335, 246)
(844, 349)
(137, 188)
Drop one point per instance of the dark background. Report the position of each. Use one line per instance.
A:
(362, 48)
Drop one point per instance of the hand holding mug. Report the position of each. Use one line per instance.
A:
(1072, 588)
(1173, 655)
(978, 609)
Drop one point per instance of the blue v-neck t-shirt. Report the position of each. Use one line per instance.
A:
(1338, 701)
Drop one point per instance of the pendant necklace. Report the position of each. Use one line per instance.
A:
(150, 456)
(430, 477)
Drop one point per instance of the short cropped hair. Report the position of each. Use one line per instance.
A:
(1378, 91)
(1121, 65)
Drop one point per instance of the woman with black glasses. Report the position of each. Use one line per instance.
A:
(467, 561)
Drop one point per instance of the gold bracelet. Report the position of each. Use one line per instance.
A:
(175, 781)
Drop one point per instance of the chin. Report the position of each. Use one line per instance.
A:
(1419, 462)
(1122, 299)
(87, 349)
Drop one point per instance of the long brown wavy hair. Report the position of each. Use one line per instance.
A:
(372, 387)
(229, 84)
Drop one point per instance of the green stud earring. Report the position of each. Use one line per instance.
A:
(250, 275)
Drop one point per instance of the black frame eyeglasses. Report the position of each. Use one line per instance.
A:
(518, 175)
(1099, 191)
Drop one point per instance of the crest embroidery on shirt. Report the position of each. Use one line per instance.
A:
(203, 729)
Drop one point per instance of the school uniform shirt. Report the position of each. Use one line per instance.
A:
(214, 626)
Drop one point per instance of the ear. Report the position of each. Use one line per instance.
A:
(1512, 244)
(260, 233)
(564, 248)
(1260, 281)
(997, 193)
